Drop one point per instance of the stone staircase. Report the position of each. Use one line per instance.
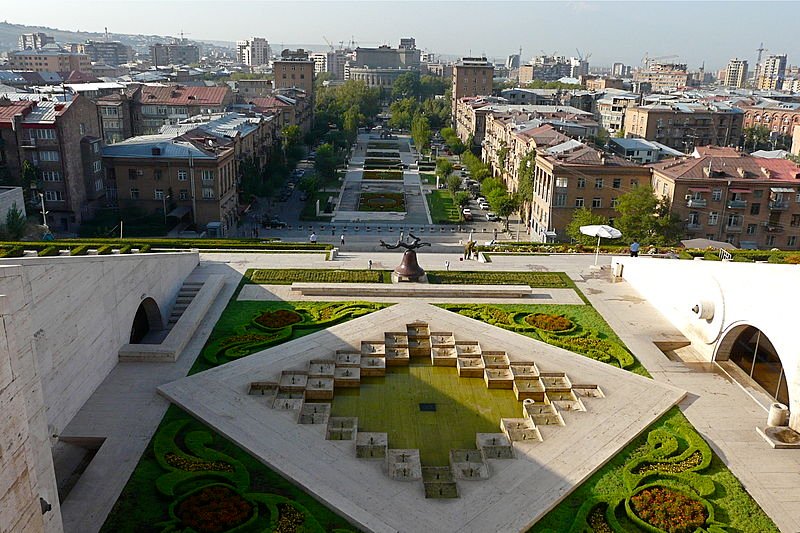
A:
(186, 294)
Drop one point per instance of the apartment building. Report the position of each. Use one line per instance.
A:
(253, 52)
(641, 151)
(472, 76)
(112, 53)
(191, 176)
(116, 114)
(721, 194)
(155, 106)
(771, 73)
(290, 108)
(610, 110)
(35, 41)
(62, 141)
(662, 77)
(683, 126)
(572, 176)
(253, 89)
(735, 73)
(332, 62)
(49, 58)
(601, 84)
(294, 72)
(523, 96)
(178, 52)
(779, 117)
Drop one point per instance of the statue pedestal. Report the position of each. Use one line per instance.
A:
(409, 270)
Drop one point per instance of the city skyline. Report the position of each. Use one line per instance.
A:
(609, 31)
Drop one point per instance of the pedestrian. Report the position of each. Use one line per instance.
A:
(635, 249)
(369, 263)
(447, 266)
(495, 234)
(313, 238)
(341, 239)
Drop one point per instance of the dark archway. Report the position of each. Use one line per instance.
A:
(147, 319)
(752, 351)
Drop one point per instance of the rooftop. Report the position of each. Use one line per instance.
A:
(182, 95)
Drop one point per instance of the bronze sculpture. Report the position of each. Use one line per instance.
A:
(408, 269)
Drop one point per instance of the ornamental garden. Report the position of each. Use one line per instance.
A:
(193, 479)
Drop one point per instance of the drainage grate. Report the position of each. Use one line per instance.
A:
(427, 407)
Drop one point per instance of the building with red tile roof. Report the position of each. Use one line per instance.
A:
(156, 106)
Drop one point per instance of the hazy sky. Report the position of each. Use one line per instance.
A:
(611, 31)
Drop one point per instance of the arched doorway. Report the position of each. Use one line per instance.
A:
(147, 319)
(752, 351)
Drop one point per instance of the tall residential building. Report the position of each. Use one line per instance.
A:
(51, 58)
(253, 52)
(772, 73)
(178, 52)
(472, 76)
(408, 43)
(662, 77)
(620, 70)
(112, 53)
(736, 73)
(294, 70)
(34, 41)
(331, 62)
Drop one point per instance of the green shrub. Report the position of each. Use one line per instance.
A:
(14, 251)
(79, 250)
(778, 259)
(105, 249)
(49, 251)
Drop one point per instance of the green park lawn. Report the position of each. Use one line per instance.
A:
(442, 208)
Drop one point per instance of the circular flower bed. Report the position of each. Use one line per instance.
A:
(694, 460)
(214, 509)
(382, 201)
(290, 519)
(597, 519)
(549, 322)
(192, 465)
(668, 510)
(278, 319)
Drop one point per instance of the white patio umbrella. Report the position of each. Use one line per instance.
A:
(601, 231)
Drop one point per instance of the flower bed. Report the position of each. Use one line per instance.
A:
(386, 145)
(382, 201)
(287, 277)
(395, 175)
(378, 154)
(214, 509)
(278, 319)
(668, 510)
(549, 322)
(533, 279)
(194, 465)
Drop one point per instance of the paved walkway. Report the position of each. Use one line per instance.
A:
(126, 409)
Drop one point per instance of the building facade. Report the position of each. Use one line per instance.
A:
(253, 52)
(50, 58)
(684, 126)
(772, 73)
(178, 52)
(294, 73)
(155, 106)
(35, 41)
(662, 77)
(723, 195)
(736, 73)
(472, 76)
(779, 117)
(113, 53)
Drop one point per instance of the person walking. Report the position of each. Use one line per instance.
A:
(313, 238)
(447, 266)
(369, 263)
(635, 249)
(341, 239)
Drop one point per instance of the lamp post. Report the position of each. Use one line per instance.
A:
(44, 214)
(164, 198)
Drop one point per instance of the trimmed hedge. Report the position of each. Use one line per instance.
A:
(287, 277)
(167, 244)
(533, 279)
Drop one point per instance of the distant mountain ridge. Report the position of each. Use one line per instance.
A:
(9, 37)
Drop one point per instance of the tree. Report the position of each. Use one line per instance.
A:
(645, 218)
(352, 118)
(15, 223)
(420, 132)
(462, 198)
(309, 184)
(407, 85)
(526, 171)
(756, 136)
(443, 168)
(490, 185)
(325, 161)
(584, 217)
(504, 204)
(29, 179)
(453, 184)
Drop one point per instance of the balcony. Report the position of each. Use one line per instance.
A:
(697, 202)
(778, 205)
(733, 229)
(773, 228)
(27, 142)
(693, 226)
(737, 204)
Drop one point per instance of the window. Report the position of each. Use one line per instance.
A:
(134, 193)
(751, 229)
(49, 134)
(716, 195)
(208, 193)
(634, 183)
(183, 194)
(82, 128)
(54, 196)
(797, 197)
(560, 200)
(208, 175)
(158, 194)
(733, 220)
(792, 241)
(665, 190)
(597, 203)
(561, 183)
(578, 202)
(581, 183)
(134, 173)
(598, 183)
(758, 193)
(795, 221)
(694, 218)
(181, 175)
(617, 183)
(614, 202)
(754, 208)
(55, 175)
(98, 185)
(157, 174)
(97, 166)
(48, 156)
(770, 240)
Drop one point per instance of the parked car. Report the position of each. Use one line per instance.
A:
(491, 217)
(467, 213)
(272, 222)
(481, 200)
(483, 205)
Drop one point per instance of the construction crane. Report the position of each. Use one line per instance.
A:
(583, 57)
(760, 50)
(329, 43)
(647, 60)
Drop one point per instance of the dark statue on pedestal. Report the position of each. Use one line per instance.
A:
(408, 269)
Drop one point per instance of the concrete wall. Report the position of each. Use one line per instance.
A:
(8, 197)
(761, 295)
(81, 310)
(26, 466)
